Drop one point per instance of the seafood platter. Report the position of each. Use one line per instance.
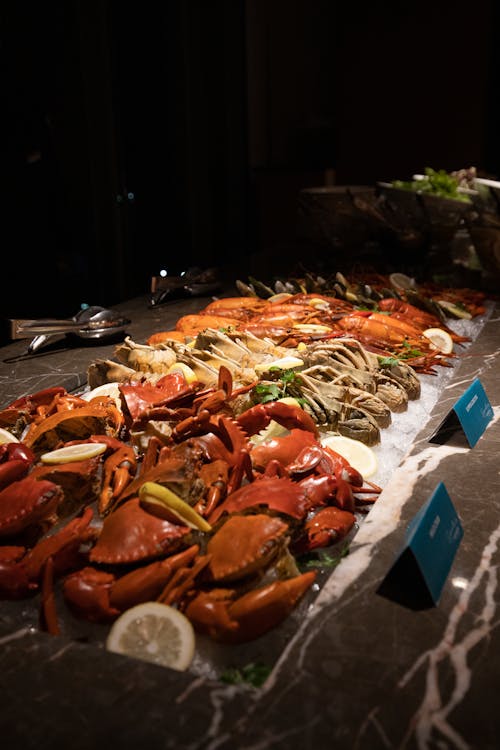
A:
(191, 500)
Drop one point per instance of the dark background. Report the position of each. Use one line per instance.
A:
(144, 136)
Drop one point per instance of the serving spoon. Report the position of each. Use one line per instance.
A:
(89, 323)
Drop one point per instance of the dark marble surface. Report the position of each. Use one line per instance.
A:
(352, 669)
(64, 360)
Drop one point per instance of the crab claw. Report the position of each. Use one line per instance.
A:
(119, 469)
(20, 573)
(99, 596)
(284, 449)
(224, 619)
(327, 526)
(15, 462)
(287, 415)
(25, 502)
(322, 459)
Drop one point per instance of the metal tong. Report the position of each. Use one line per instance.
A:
(89, 323)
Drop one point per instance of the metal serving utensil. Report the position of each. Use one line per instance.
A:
(90, 323)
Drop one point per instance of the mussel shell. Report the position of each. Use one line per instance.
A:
(425, 303)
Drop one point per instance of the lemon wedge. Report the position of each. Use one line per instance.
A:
(359, 455)
(187, 371)
(106, 389)
(154, 632)
(7, 437)
(440, 339)
(160, 498)
(284, 363)
(290, 400)
(312, 328)
(69, 453)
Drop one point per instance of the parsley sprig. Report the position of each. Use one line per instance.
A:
(272, 391)
(254, 674)
(323, 558)
(410, 351)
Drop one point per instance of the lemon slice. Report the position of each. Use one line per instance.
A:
(158, 497)
(106, 389)
(359, 455)
(290, 400)
(312, 328)
(69, 453)
(7, 437)
(284, 363)
(439, 339)
(187, 371)
(154, 632)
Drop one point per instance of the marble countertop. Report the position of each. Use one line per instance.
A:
(352, 669)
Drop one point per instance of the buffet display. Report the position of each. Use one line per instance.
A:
(187, 488)
(438, 222)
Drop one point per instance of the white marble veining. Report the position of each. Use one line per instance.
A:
(431, 724)
(384, 518)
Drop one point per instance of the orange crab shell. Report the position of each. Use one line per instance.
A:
(279, 494)
(79, 481)
(245, 545)
(98, 416)
(130, 534)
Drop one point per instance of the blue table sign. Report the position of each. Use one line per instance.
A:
(469, 416)
(431, 541)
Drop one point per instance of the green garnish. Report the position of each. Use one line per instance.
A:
(267, 392)
(288, 377)
(274, 391)
(436, 182)
(254, 674)
(410, 351)
(226, 329)
(388, 361)
(323, 559)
